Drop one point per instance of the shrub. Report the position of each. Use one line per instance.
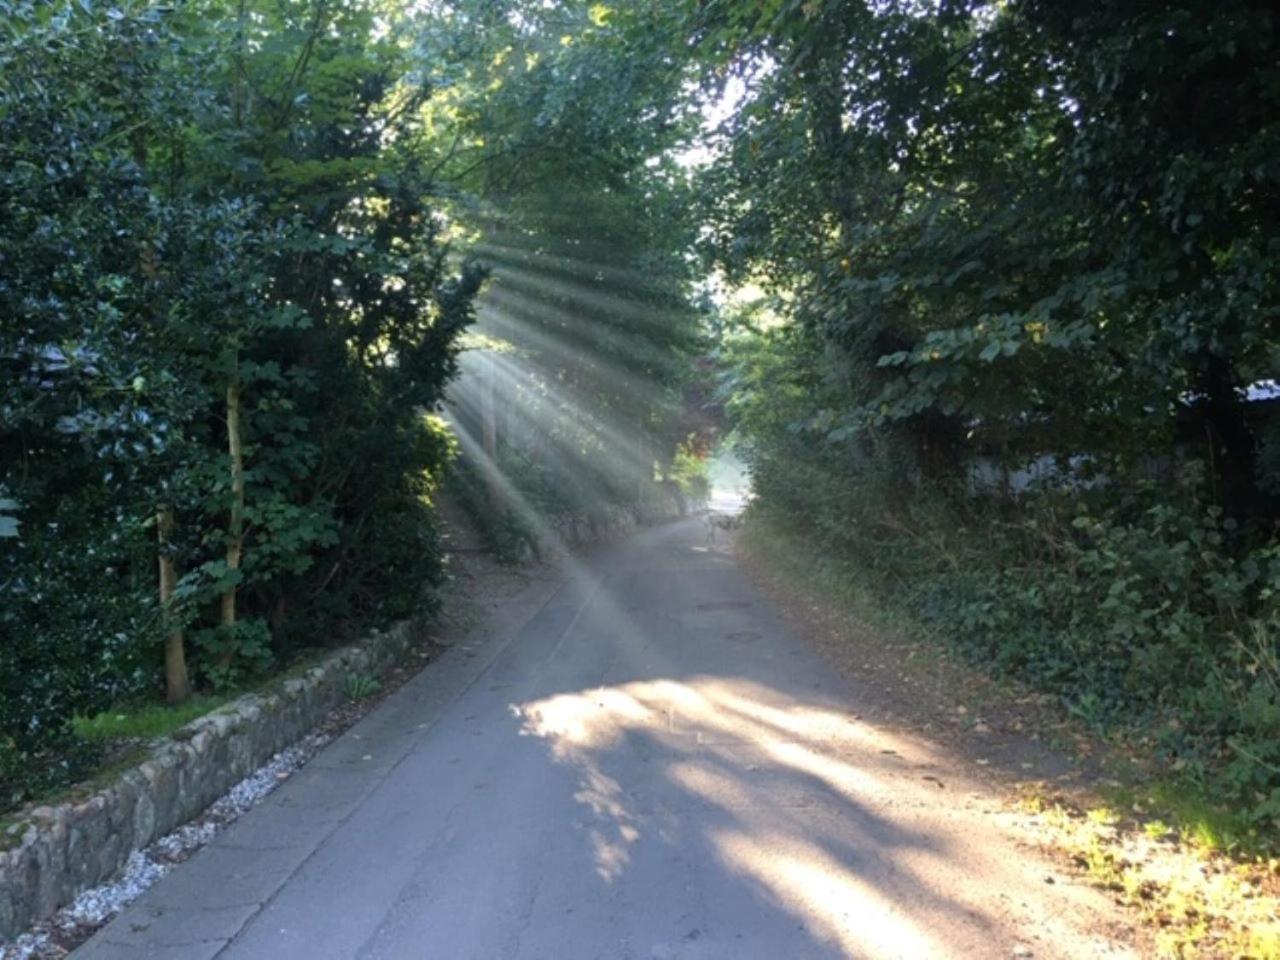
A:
(186, 271)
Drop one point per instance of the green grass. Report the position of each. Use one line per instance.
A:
(1183, 808)
(151, 719)
(119, 736)
(147, 721)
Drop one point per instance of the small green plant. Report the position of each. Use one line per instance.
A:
(145, 721)
(360, 686)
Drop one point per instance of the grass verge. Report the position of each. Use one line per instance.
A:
(148, 720)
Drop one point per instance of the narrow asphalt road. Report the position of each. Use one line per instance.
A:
(642, 765)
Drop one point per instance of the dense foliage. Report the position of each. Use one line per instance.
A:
(1019, 316)
(226, 307)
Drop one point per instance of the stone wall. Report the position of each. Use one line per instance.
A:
(611, 523)
(52, 853)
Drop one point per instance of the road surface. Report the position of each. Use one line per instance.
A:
(642, 766)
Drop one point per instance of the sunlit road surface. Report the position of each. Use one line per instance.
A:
(644, 766)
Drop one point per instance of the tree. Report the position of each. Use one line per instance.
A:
(1019, 261)
(1014, 250)
(228, 307)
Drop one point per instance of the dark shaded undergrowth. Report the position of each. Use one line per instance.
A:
(1145, 624)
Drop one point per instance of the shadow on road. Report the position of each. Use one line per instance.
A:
(711, 737)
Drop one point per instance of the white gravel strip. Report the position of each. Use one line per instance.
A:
(95, 907)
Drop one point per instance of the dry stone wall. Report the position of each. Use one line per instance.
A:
(52, 853)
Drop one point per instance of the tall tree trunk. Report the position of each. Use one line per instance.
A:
(235, 527)
(177, 680)
(177, 683)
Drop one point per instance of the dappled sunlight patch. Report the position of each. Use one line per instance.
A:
(812, 884)
(763, 705)
(844, 778)
(732, 721)
(1199, 902)
(710, 785)
(872, 842)
(572, 722)
(613, 831)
